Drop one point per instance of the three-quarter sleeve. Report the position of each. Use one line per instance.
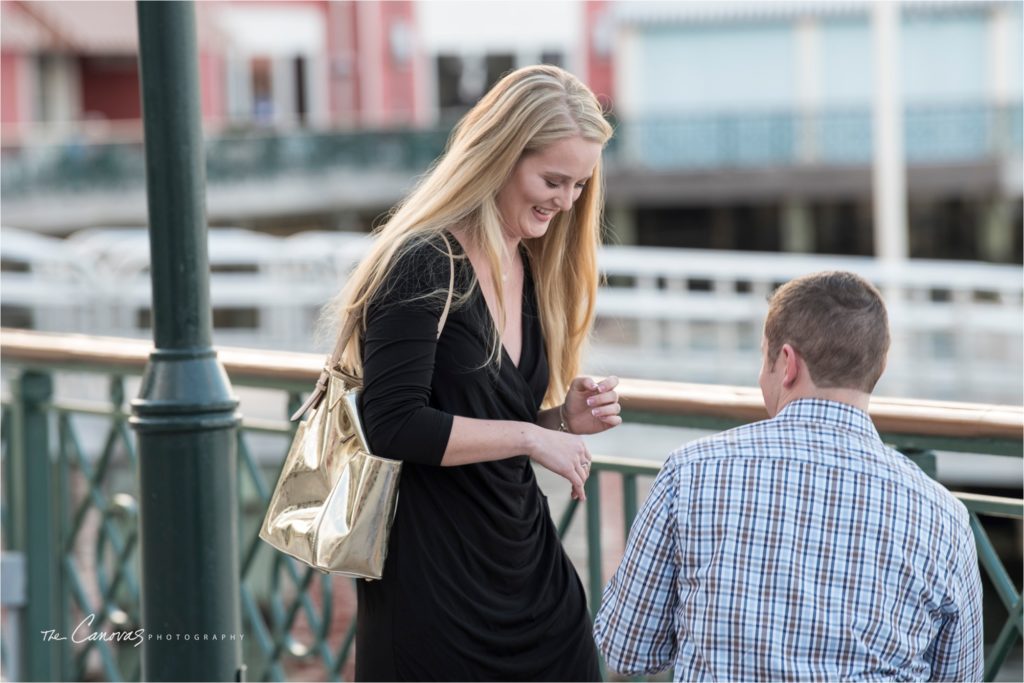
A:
(399, 346)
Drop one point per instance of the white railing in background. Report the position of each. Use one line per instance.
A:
(690, 315)
(674, 314)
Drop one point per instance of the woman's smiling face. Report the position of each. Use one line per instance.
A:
(543, 183)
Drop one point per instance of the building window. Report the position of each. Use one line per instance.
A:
(497, 66)
(262, 92)
(301, 98)
(461, 81)
(552, 58)
(17, 316)
(449, 74)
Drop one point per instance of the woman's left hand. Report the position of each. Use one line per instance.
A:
(590, 406)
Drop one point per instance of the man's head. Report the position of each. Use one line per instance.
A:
(826, 335)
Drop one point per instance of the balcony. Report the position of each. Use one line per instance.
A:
(265, 173)
(949, 134)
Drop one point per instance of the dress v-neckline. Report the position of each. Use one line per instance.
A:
(522, 323)
(490, 316)
(508, 356)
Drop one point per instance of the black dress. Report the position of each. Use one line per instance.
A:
(476, 585)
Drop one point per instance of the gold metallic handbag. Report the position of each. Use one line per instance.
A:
(334, 502)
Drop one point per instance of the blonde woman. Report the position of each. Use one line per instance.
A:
(476, 584)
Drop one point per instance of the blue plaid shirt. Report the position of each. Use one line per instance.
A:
(797, 548)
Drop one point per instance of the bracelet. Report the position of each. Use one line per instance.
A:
(562, 426)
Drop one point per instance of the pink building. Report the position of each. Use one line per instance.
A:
(295, 62)
(598, 38)
(373, 64)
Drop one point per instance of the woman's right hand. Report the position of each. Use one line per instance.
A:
(564, 454)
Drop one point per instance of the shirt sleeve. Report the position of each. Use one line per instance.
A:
(399, 345)
(635, 627)
(957, 653)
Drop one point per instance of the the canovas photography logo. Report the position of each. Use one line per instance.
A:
(84, 633)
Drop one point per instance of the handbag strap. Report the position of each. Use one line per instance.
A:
(320, 390)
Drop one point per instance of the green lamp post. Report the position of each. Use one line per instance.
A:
(185, 416)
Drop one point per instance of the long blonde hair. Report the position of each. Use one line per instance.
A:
(524, 112)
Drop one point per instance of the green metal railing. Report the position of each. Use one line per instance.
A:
(71, 506)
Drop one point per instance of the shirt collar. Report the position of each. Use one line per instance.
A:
(842, 415)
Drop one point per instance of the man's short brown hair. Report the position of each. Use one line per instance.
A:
(837, 322)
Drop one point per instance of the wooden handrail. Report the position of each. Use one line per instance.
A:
(80, 350)
(890, 415)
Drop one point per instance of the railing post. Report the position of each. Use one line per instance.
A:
(595, 557)
(185, 416)
(41, 625)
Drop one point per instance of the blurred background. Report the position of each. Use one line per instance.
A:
(755, 142)
(744, 155)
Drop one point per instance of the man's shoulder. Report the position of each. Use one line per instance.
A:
(939, 497)
(803, 441)
(727, 444)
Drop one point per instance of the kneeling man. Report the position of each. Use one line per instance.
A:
(800, 547)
